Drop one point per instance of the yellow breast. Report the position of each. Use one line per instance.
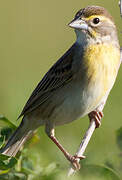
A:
(102, 63)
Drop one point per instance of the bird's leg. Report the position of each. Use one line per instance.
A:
(73, 159)
(96, 115)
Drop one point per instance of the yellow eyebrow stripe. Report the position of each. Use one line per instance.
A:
(103, 18)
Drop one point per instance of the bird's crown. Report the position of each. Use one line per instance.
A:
(93, 11)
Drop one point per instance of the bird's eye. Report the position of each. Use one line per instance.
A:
(96, 20)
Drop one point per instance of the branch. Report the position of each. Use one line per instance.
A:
(83, 144)
(85, 141)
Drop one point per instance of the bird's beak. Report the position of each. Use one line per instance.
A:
(78, 24)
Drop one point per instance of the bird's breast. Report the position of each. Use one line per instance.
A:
(101, 64)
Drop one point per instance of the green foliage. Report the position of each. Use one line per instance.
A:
(6, 129)
(4, 122)
(6, 162)
(24, 167)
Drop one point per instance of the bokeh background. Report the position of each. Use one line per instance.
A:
(33, 35)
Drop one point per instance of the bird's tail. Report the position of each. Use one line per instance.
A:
(16, 141)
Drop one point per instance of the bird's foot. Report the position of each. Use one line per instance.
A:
(96, 115)
(74, 161)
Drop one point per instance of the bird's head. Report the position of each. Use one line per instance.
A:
(96, 24)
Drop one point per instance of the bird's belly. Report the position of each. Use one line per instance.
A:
(79, 102)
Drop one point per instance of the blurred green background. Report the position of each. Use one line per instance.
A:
(33, 35)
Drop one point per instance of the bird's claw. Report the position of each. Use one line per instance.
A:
(75, 162)
(96, 115)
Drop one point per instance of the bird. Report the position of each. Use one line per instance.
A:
(77, 84)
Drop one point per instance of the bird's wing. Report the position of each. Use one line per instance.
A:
(121, 54)
(59, 75)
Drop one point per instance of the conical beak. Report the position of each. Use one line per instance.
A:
(78, 24)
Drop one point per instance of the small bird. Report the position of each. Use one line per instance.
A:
(77, 84)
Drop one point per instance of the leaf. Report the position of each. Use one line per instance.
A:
(6, 129)
(119, 138)
(2, 141)
(4, 135)
(5, 122)
(7, 162)
(6, 132)
(3, 157)
(4, 171)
